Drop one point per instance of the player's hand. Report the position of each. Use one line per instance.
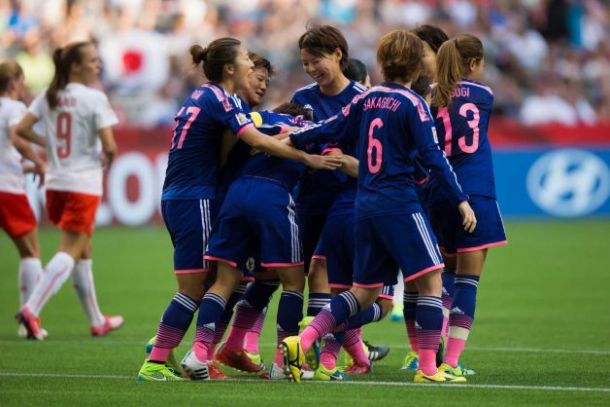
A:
(286, 140)
(328, 162)
(40, 169)
(469, 219)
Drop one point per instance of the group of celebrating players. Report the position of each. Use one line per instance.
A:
(346, 187)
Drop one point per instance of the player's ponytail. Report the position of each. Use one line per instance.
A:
(63, 58)
(215, 56)
(453, 59)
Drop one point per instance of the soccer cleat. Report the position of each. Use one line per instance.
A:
(410, 362)
(293, 357)
(22, 332)
(215, 372)
(157, 372)
(275, 373)
(111, 323)
(460, 370)
(358, 368)
(31, 323)
(376, 353)
(171, 361)
(255, 358)
(193, 368)
(325, 374)
(439, 377)
(237, 360)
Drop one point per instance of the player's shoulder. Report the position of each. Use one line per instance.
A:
(305, 91)
(357, 87)
(475, 90)
(11, 105)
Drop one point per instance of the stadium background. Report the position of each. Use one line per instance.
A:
(548, 62)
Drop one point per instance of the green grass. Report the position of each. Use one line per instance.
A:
(543, 296)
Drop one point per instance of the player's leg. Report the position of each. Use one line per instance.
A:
(310, 227)
(471, 253)
(192, 276)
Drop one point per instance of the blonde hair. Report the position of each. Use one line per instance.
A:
(452, 64)
(9, 71)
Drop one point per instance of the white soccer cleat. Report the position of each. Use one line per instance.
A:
(194, 368)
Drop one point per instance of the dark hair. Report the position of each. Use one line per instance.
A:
(215, 56)
(321, 40)
(294, 109)
(63, 58)
(9, 71)
(261, 63)
(356, 70)
(431, 35)
(399, 55)
(421, 85)
(452, 63)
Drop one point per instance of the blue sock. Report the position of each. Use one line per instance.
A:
(210, 312)
(410, 313)
(429, 326)
(175, 322)
(227, 314)
(289, 314)
(448, 277)
(316, 302)
(258, 294)
(366, 316)
(464, 301)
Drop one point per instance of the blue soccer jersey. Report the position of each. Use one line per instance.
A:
(462, 133)
(394, 125)
(194, 156)
(319, 190)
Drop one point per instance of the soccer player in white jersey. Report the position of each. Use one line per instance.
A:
(16, 216)
(76, 118)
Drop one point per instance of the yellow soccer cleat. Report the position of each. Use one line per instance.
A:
(157, 372)
(439, 377)
(293, 357)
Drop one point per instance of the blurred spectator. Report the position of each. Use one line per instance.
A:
(144, 45)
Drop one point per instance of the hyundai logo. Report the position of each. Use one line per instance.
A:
(569, 182)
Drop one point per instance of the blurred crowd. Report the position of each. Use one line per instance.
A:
(548, 61)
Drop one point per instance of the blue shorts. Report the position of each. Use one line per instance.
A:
(189, 223)
(257, 214)
(386, 243)
(337, 242)
(310, 226)
(447, 225)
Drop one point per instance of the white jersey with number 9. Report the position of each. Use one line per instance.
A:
(73, 146)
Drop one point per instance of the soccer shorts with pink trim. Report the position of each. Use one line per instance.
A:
(446, 223)
(386, 243)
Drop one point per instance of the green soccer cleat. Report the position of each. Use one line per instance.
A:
(397, 313)
(324, 374)
(439, 377)
(410, 362)
(157, 372)
(293, 357)
(171, 361)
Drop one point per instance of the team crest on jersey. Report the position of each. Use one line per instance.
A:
(241, 119)
(250, 264)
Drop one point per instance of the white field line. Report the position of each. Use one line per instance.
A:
(398, 347)
(346, 383)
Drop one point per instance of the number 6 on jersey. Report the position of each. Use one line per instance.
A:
(374, 145)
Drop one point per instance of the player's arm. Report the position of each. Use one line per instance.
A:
(350, 164)
(270, 145)
(25, 149)
(423, 131)
(25, 130)
(109, 147)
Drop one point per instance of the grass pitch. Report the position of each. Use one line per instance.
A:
(541, 335)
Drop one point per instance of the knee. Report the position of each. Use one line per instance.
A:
(386, 306)
(293, 280)
(317, 279)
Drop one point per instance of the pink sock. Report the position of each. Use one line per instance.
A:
(159, 354)
(427, 361)
(251, 342)
(201, 352)
(329, 353)
(308, 337)
(279, 358)
(455, 347)
(235, 341)
(355, 347)
(412, 335)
